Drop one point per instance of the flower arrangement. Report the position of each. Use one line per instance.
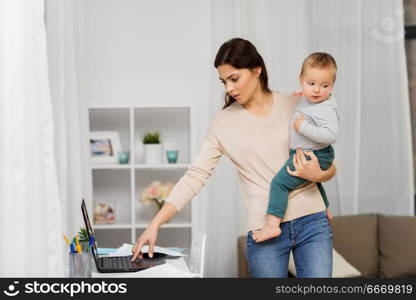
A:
(156, 192)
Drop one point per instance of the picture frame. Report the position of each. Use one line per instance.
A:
(104, 146)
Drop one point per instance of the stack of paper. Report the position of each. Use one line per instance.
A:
(125, 250)
(163, 271)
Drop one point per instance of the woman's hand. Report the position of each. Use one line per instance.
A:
(149, 237)
(310, 169)
(329, 215)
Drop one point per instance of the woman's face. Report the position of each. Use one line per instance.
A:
(239, 83)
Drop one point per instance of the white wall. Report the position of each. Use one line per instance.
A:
(140, 50)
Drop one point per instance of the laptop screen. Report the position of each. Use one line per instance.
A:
(89, 229)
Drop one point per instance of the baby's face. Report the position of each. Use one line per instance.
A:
(317, 83)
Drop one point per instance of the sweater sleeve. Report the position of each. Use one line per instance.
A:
(197, 174)
(322, 128)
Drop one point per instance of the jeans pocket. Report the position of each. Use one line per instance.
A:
(321, 223)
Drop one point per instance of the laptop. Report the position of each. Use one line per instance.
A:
(114, 264)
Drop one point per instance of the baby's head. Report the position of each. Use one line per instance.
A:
(317, 76)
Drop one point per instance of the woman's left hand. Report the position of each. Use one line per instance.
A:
(329, 215)
(306, 169)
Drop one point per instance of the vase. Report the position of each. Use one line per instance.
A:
(172, 156)
(153, 154)
(123, 157)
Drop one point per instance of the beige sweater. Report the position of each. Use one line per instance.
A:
(258, 146)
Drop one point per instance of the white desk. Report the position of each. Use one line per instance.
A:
(174, 267)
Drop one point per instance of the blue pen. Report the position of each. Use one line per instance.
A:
(91, 240)
(73, 247)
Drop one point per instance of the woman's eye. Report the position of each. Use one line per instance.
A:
(234, 79)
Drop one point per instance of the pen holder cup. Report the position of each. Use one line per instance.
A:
(80, 265)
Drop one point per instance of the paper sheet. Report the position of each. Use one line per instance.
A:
(105, 251)
(166, 269)
(125, 250)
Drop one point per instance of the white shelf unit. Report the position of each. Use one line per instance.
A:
(121, 185)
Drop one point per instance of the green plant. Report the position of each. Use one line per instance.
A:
(83, 235)
(151, 138)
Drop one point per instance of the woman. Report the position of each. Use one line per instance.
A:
(252, 129)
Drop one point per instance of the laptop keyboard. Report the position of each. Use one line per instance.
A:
(124, 263)
(117, 262)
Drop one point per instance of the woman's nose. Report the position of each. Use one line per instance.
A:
(230, 88)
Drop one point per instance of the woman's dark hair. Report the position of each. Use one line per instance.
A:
(241, 54)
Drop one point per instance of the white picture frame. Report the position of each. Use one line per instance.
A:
(104, 146)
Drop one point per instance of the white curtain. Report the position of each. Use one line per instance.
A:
(373, 152)
(30, 208)
(69, 113)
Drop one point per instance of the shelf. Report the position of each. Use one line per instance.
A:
(113, 226)
(142, 166)
(164, 166)
(120, 185)
(168, 225)
(174, 128)
(109, 166)
(143, 225)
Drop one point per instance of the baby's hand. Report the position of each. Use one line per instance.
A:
(295, 93)
(298, 122)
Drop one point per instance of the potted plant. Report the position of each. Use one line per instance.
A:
(152, 148)
(83, 239)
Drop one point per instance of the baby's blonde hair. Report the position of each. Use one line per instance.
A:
(320, 60)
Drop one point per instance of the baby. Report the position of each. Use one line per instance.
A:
(315, 128)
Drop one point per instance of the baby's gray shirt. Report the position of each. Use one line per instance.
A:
(320, 127)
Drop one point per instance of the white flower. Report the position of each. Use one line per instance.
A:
(156, 192)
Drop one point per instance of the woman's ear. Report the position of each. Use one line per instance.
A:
(257, 71)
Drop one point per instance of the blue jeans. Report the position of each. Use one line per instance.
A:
(310, 239)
